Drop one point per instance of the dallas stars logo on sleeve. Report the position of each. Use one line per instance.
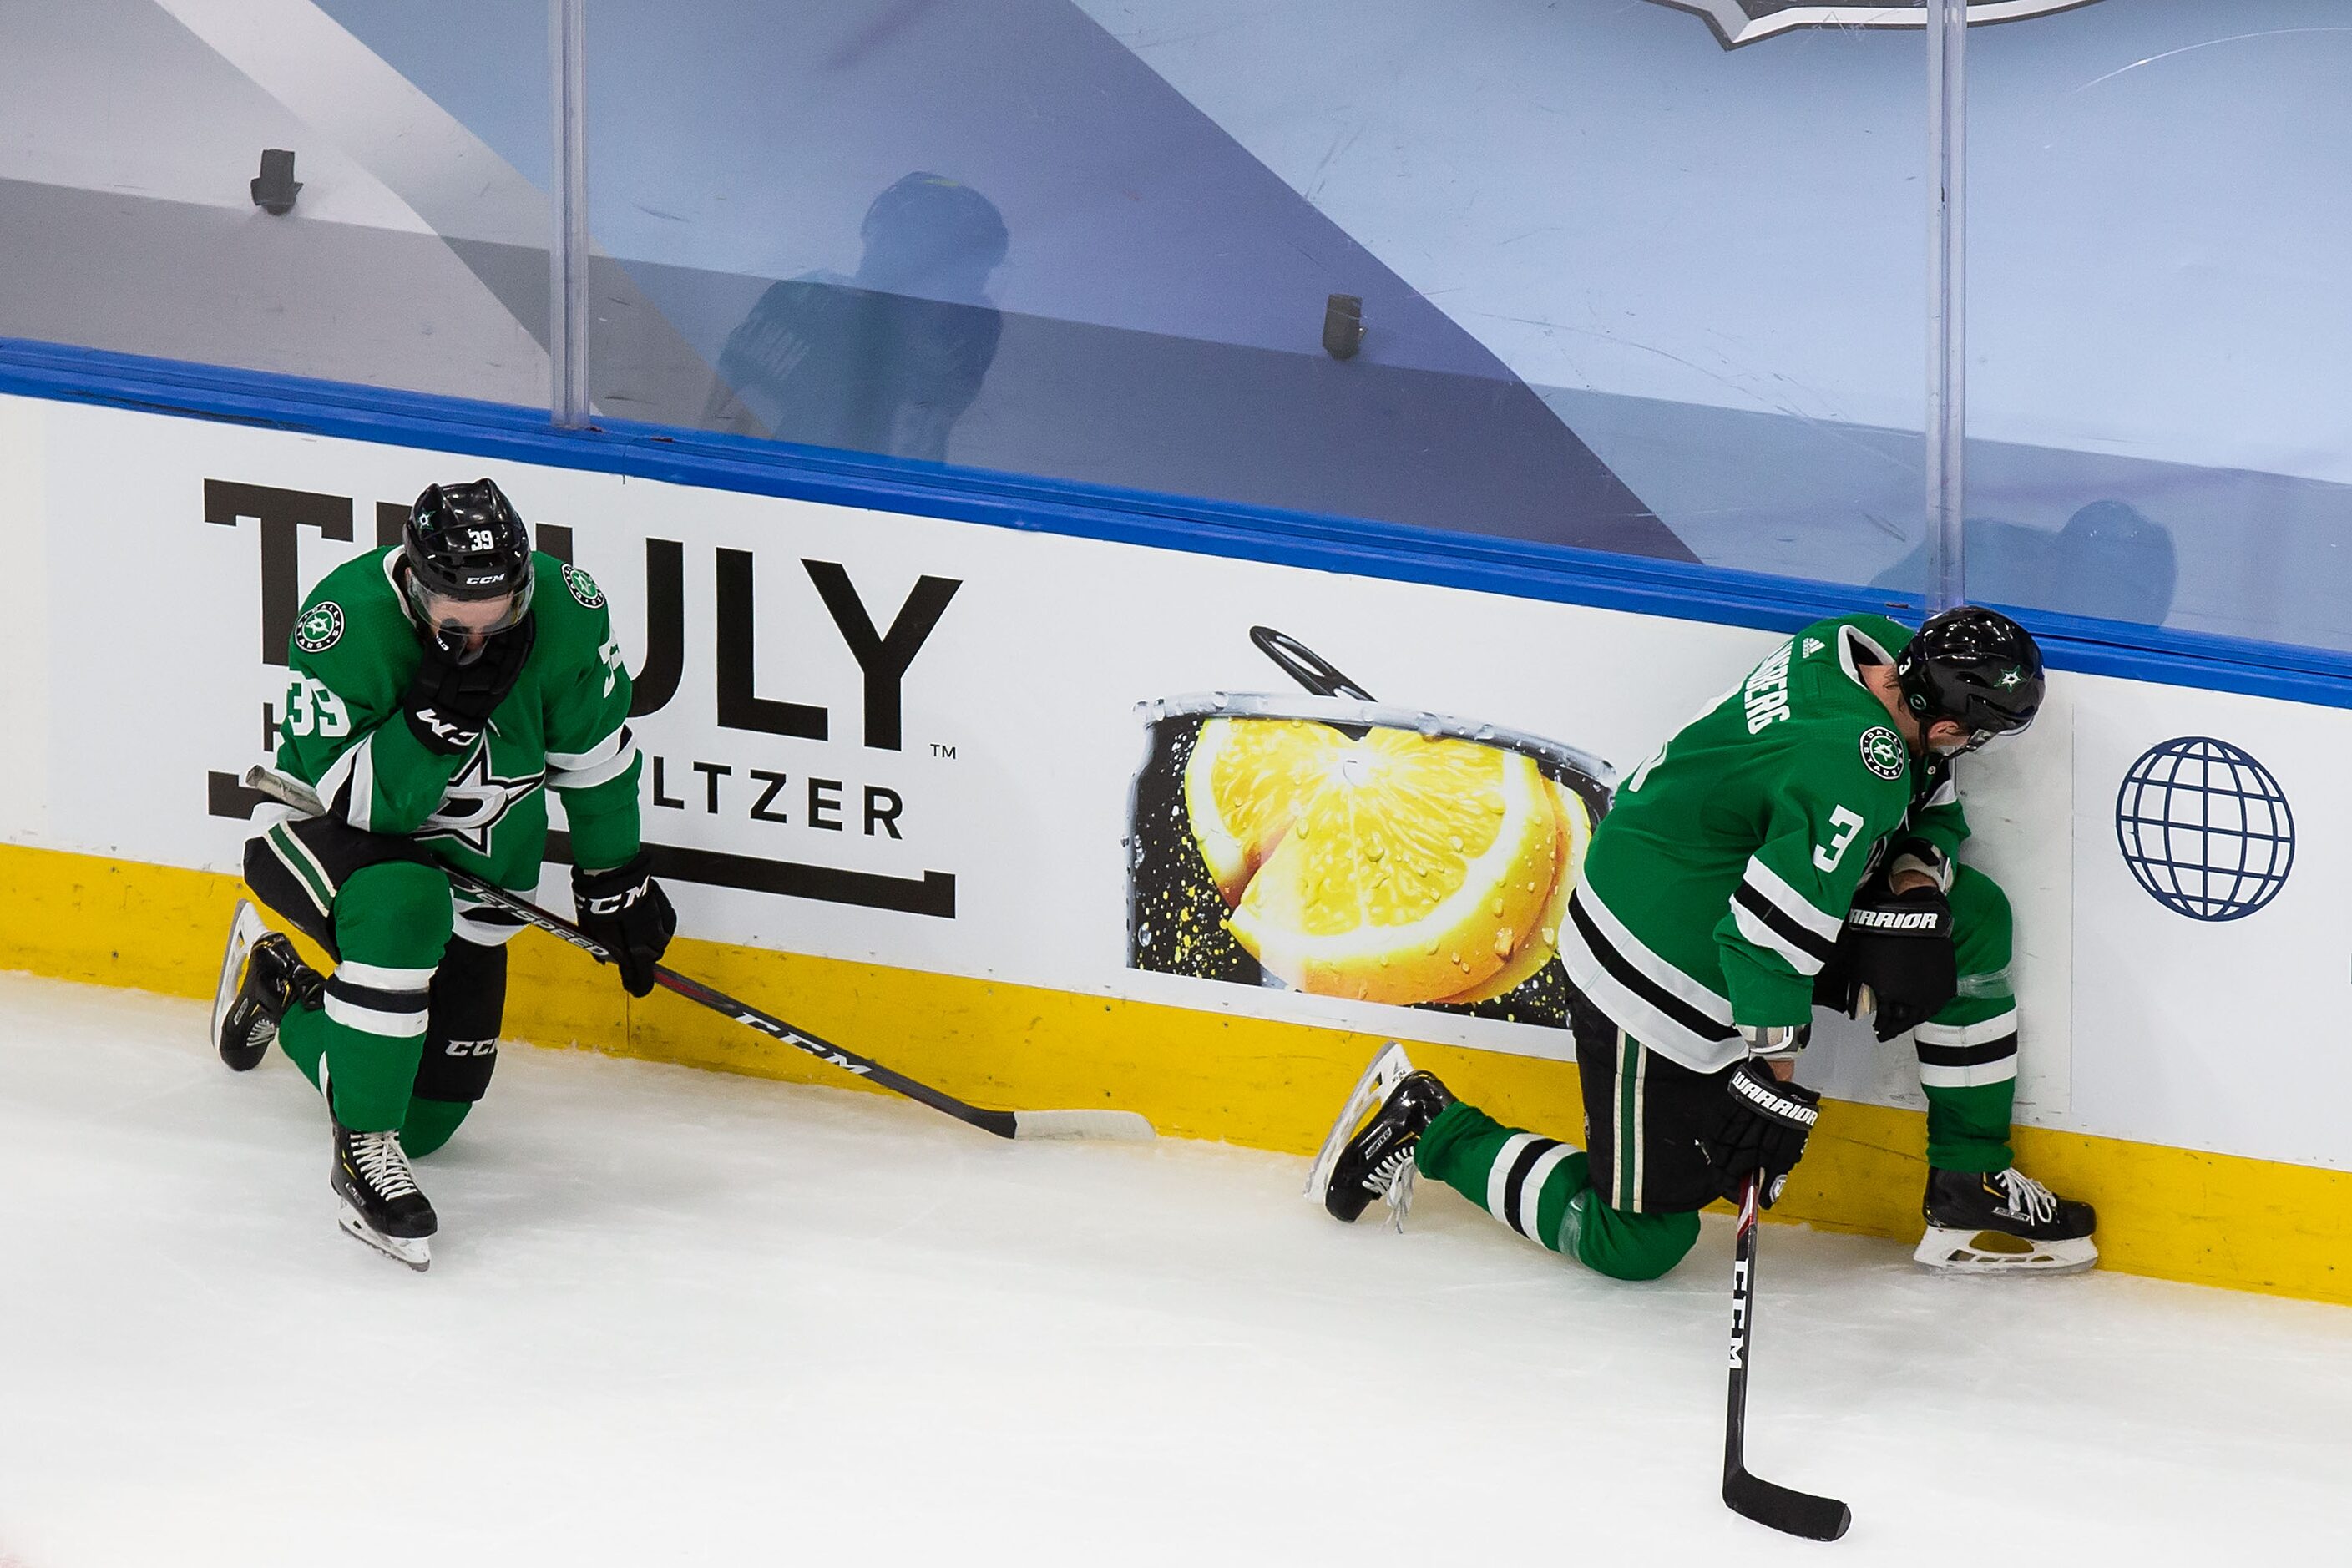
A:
(1883, 752)
(321, 626)
(584, 588)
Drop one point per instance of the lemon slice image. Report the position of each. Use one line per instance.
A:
(1536, 948)
(1244, 782)
(1413, 873)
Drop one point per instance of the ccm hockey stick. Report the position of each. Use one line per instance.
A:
(1790, 1512)
(1117, 1124)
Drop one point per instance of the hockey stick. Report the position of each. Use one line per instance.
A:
(1121, 1124)
(1790, 1512)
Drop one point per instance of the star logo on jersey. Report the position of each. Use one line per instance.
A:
(1883, 752)
(1812, 647)
(320, 627)
(1738, 22)
(476, 802)
(584, 588)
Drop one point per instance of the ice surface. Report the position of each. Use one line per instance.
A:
(675, 1317)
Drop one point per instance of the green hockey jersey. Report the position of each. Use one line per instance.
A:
(1714, 887)
(563, 725)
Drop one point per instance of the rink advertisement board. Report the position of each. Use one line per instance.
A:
(1005, 756)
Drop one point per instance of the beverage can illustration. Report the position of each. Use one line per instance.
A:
(1329, 843)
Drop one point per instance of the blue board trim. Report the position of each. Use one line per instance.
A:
(1395, 551)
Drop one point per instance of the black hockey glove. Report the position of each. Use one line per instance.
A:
(629, 916)
(447, 703)
(1895, 958)
(1762, 1128)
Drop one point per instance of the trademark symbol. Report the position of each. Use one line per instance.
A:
(945, 753)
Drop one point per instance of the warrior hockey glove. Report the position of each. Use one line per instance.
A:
(1762, 1128)
(1895, 953)
(629, 916)
(447, 703)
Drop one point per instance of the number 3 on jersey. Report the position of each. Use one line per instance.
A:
(1844, 825)
(310, 704)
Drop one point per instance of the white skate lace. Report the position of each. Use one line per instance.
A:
(1393, 1180)
(2027, 1196)
(382, 1164)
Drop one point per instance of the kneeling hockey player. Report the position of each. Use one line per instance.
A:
(1794, 843)
(432, 693)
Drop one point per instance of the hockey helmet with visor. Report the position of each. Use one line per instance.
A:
(1976, 668)
(467, 560)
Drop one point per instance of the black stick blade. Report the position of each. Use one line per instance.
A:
(1789, 1512)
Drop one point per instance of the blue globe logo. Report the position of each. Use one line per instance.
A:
(2205, 828)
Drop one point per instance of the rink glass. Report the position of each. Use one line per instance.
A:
(1621, 287)
(414, 253)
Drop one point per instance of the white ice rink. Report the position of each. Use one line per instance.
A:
(674, 1316)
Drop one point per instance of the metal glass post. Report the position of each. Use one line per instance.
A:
(567, 256)
(1948, 138)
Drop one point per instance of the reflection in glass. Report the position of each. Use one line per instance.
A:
(2109, 561)
(888, 358)
(2158, 219)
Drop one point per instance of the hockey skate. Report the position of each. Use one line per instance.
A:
(261, 976)
(1357, 1165)
(381, 1202)
(2004, 1222)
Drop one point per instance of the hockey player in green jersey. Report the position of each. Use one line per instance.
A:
(435, 689)
(1794, 845)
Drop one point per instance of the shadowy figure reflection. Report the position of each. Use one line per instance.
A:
(2109, 561)
(886, 361)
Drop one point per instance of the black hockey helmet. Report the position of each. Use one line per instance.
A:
(1975, 667)
(465, 544)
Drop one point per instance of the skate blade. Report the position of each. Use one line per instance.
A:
(1947, 1251)
(1386, 1070)
(245, 928)
(415, 1251)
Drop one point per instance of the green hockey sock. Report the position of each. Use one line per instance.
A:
(1968, 1051)
(392, 924)
(1543, 1189)
(302, 1035)
(1968, 1068)
(431, 1122)
(1626, 1245)
(372, 1075)
(1968, 1129)
(1522, 1180)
